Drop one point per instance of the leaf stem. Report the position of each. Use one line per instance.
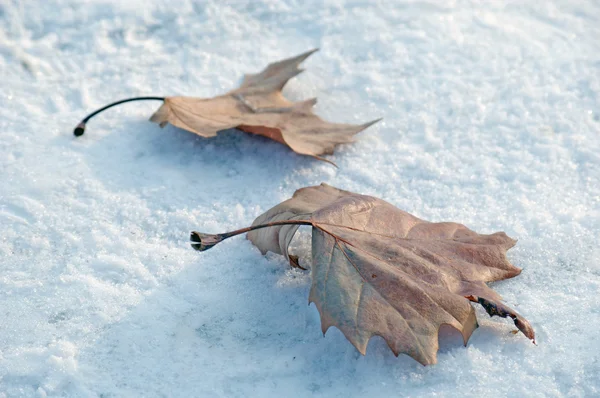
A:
(201, 241)
(80, 129)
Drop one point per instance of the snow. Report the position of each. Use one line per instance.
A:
(491, 118)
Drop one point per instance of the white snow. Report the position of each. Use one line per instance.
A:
(491, 118)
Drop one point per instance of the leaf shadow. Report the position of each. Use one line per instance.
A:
(223, 326)
(137, 154)
(219, 327)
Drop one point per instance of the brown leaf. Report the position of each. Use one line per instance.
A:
(259, 107)
(378, 270)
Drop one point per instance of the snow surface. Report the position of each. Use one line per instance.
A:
(491, 118)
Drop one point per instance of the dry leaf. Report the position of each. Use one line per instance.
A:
(258, 107)
(377, 270)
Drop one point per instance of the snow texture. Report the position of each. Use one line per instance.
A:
(491, 118)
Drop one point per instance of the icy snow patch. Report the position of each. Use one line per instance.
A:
(491, 118)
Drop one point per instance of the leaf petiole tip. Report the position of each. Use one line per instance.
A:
(79, 130)
(202, 242)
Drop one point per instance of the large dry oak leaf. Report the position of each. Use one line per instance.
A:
(377, 270)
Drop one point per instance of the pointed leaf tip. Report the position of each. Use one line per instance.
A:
(372, 122)
(307, 54)
(495, 308)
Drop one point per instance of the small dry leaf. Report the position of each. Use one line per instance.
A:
(257, 107)
(378, 270)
